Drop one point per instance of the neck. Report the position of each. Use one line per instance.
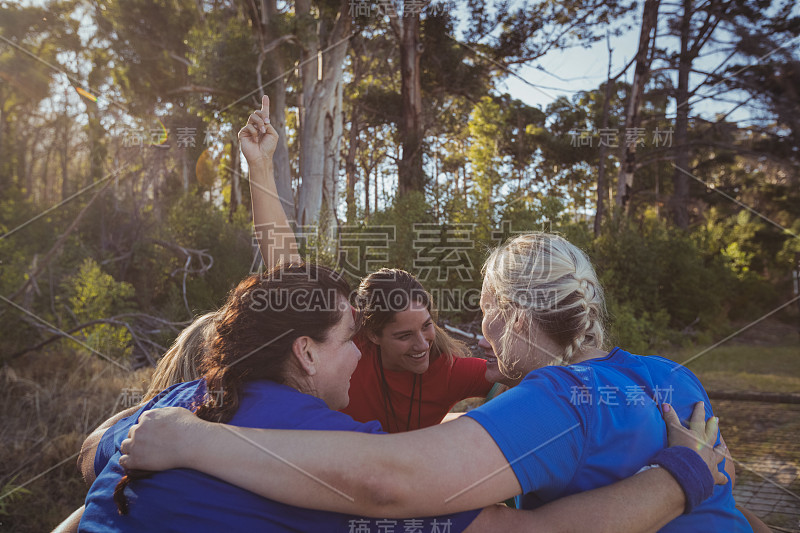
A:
(304, 384)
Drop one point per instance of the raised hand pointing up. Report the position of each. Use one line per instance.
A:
(258, 138)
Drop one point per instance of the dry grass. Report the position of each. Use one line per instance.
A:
(747, 367)
(50, 402)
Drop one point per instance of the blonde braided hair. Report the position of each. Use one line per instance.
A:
(543, 282)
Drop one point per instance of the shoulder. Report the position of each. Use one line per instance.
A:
(271, 405)
(338, 421)
(665, 369)
(317, 416)
(186, 394)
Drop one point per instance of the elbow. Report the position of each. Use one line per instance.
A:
(386, 491)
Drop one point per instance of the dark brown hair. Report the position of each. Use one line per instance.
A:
(255, 330)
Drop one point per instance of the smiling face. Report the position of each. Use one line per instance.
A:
(336, 360)
(406, 340)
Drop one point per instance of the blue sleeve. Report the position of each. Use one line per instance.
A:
(113, 436)
(539, 429)
(105, 449)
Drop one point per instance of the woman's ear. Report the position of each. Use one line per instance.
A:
(301, 350)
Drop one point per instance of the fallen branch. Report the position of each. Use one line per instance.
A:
(139, 340)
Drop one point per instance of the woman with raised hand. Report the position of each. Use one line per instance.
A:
(581, 418)
(412, 372)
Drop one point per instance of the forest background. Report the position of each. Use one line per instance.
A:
(124, 200)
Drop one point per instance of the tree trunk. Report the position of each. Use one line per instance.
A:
(601, 166)
(2, 134)
(47, 195)
(334, 130)
(680, 196)
(280, 161)
(185, 171)
(410, 173)
(632, 116)
(96, 133)
(350, 167)
(321, 113)
(26, 164)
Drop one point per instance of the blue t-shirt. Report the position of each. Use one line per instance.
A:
(570, 429)
(187, 500)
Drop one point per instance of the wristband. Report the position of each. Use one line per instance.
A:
(689, 470)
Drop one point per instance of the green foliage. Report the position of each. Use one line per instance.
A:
(485, 126)
(402, 215)
(733, 237)
(791, 247)
(734, 241)
(147, 37)
(659, 277)
(197, 224)
(92, 294)
(10, 494)
(637, 331)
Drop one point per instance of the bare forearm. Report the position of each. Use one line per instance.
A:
(644, 502)
(250, 454)
(369, 475)
(275, 235)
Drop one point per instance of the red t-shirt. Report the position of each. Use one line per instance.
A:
(443, 386)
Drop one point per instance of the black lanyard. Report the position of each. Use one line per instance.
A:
(387, 398)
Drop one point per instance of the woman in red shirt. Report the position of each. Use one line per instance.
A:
(411, 372)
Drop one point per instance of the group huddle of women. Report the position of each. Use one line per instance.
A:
(223, 442)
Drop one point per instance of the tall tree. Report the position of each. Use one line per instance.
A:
(410, 175)
(632, 116)
(695, 24)
(325, 39)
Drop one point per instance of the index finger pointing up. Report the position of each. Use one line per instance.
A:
(265, 104)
